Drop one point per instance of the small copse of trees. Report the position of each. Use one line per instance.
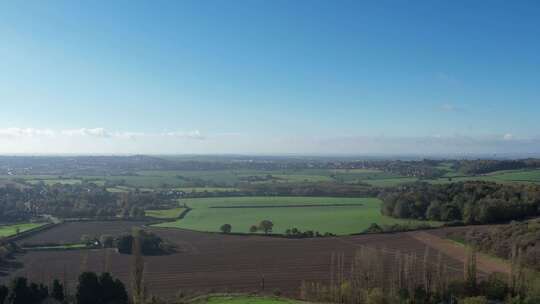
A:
(467, 202)
(151, 244)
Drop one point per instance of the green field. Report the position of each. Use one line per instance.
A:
(532, 176)
(506, 176)
(59, 247)
(118, 189)
(66, 181)
(244, 300)
(222, 180)
(206, 189)
(165, 213)
(10, 230)
(229, 180)
(354, 215)
(390, 182)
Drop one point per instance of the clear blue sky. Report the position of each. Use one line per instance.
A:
(269, 76)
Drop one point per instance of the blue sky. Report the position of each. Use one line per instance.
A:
(355, 77)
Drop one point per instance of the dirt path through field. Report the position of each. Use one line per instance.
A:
(485, 263)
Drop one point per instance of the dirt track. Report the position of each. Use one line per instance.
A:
(485, 263)
(215, 262)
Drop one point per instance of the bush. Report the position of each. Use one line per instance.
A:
(495, 287)
(298, 234)
(374, 228)
(376, 296)
(474, 300)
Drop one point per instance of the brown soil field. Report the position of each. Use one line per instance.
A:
(208, 262)
(71, 232)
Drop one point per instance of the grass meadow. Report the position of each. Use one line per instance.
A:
(10, 230)
(245, 299)
(165, 213)
(324, 214)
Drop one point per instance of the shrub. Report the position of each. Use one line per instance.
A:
(495, 287)
(474, 300)
(374, 228)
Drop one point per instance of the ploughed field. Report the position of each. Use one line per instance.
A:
(71, 232)
(211, 262)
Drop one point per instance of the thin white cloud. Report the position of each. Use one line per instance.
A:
(195, 134)
(25, 132)
(100, 140)
(448, 107)
(508, 136)
(97, 132)
(14, 133)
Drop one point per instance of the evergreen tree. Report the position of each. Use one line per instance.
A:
(3, 293)
(57, 291)
(88, 290)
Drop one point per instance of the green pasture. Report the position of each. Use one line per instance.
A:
(532, 176)
(245, 299)
(220, 180)
(165, 213)
(229, 180)
(49, 182)
(390, 182)
(206, 189)
(354, 215)
(506, 176)
(59, 247)
(10, 230)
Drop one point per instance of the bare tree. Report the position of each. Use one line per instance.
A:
(139, 290)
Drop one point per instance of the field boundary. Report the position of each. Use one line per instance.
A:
(58, 248)
(184, 213)
(242, 234)
(102, 219)
(285, 206)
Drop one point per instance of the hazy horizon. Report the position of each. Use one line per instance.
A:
(270, 78)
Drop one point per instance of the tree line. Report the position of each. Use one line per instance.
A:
(467, 202)
(91, 289)
(483, 166)
(75, 201)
